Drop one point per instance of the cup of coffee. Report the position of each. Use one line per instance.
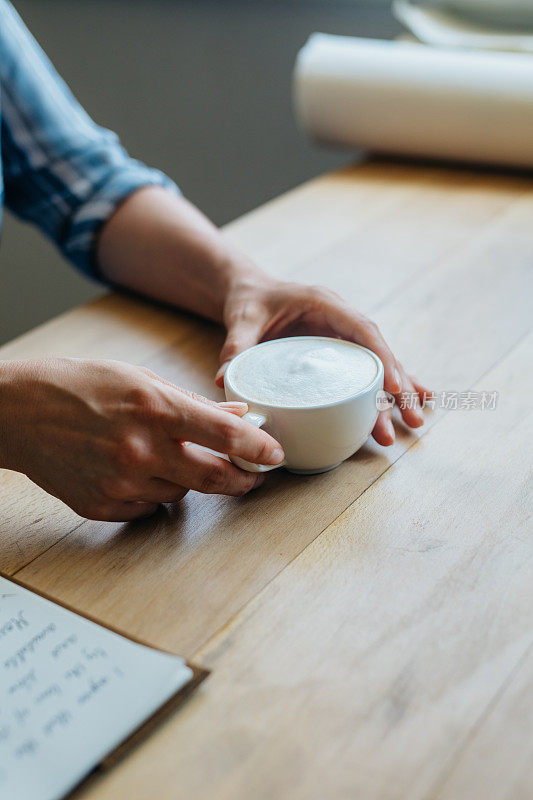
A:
(318, 397)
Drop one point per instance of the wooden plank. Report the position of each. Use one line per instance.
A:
(368, 266)
(447, 328)
(300, 228)
(123, 328)
(397, 217)
(496, 763)
(31, 521)
(314, 217)
(113, 326)
(365, 667)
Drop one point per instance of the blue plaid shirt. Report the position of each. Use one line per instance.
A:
(58, 169)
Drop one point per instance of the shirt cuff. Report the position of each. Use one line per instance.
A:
(79, 245)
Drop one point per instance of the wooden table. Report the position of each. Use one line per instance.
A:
(370, 630)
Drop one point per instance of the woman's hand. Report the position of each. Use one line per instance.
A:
(198, 269)
(110, 439)
(258, 308)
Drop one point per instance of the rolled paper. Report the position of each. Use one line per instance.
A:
(410, 99)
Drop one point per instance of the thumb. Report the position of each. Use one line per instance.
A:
(241, 335)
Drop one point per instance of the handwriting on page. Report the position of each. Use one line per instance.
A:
(68, 688)
(49, 677)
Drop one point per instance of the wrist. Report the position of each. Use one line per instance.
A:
(241, 275)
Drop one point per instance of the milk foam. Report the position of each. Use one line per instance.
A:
(303, 372)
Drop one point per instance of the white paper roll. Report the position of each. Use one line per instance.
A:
(399, 97)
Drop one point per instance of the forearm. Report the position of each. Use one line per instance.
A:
(160, 245)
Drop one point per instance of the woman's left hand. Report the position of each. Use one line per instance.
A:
(261, 308)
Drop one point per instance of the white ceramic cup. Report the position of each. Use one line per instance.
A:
(315, 438)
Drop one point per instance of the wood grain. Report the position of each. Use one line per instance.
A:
(368, 665)
(369, 629)
(185, 349)
(495, 762)
(445, 324)
(387, 221)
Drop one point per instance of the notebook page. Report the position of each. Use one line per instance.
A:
(70, 692)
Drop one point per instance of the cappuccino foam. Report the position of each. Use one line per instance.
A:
(303, 372)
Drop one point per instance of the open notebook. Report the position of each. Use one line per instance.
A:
(71, 693)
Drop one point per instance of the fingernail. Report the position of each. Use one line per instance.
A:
(397, 381)
(277, 456)
(390, 430)
(221, 370)
(418, 416)
(234, 406)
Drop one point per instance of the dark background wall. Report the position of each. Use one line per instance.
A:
(200, 89)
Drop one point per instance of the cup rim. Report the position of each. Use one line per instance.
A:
(371, 386)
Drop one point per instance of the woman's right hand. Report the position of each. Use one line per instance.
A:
(110, 439)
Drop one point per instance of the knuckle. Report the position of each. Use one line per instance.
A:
(117, 488)
(246, 312)
(246, 484)
(230, 432)
(178, 494)
(144, 401)
(263, 451)
(132, 452)
(197, 398)
(149, 373)
(322, 294)
(315, 294)
(231, 348)
(214, 479)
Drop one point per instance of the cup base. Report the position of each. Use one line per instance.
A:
(312, 471)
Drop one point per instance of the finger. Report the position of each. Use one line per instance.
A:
(242, 334)
(177, 393)
(232, 406)
(383, 431)
(409, 404)
(424, 393)
(226, 433)
(239, 409)
(206, 473)
(157, 490)
(357, 328)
